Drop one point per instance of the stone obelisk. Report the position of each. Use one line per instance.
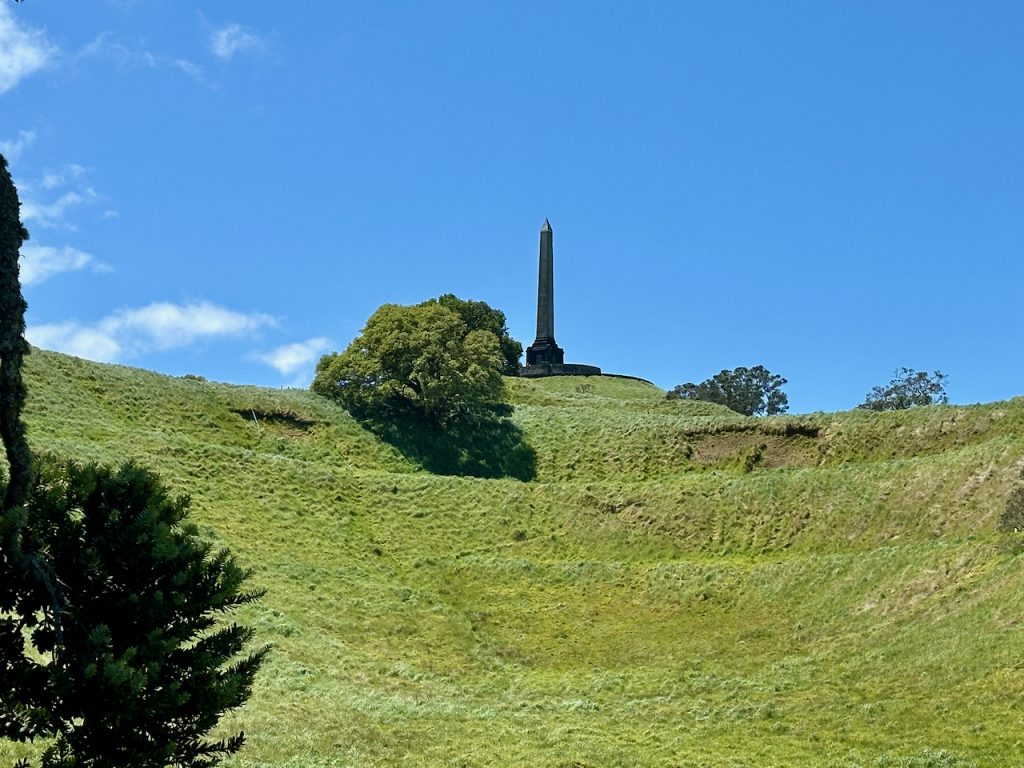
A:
(544, 349)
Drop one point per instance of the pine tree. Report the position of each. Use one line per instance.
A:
(24, 576)
(140, 667)
(13, 349)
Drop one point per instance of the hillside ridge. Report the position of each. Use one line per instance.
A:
(671, 584)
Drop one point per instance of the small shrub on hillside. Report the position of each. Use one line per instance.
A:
(753, 457)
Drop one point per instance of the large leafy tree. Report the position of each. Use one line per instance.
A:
(751, 391)
(481, 316)
(908, 389)
(423, 356)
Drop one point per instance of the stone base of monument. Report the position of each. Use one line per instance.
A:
(538, 370)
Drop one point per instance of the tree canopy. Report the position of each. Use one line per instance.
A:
(751, 391)
(908, 389)
(423, 355)
(480, 316)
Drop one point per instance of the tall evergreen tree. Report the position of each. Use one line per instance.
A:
(13, 349)
(25, 579)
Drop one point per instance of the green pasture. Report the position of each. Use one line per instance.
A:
(647, 583)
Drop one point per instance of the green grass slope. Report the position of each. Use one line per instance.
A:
(674, 585)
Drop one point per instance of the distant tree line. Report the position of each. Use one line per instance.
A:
(758, 392)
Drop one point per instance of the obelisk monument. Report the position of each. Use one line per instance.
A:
(544, 357)
(544, 349)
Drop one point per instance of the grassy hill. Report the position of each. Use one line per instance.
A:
(650, 583)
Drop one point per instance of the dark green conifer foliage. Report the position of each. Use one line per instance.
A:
(13, 348)
(26, 584)
(139, 669)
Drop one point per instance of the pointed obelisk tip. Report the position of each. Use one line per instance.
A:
(546, 227)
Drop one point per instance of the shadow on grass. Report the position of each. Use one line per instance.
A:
(484, 444)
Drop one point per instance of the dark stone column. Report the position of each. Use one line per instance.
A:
(546, 285)
(544, 349)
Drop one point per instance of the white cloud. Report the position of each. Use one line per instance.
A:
(71, 188)
(234, 38)
(53, 214)
(22, 50)
(41, 262)
(291, 358)
(165, 325)
(156, 327)
(13, 148)
(71, 338)
(54, 179)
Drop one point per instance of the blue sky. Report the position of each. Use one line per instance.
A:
(829, 189)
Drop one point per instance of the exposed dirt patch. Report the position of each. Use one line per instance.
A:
(750, 450)
(286, 423)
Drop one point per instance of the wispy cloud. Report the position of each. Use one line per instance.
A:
(290, 358)
(156, 327)
(41, 262)
(12, 148)
(191, 69)
(54, 214)
(232, 39)
(135, 55)
(123, 55)
(48, 201)
(72, 172)
(22, 50)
